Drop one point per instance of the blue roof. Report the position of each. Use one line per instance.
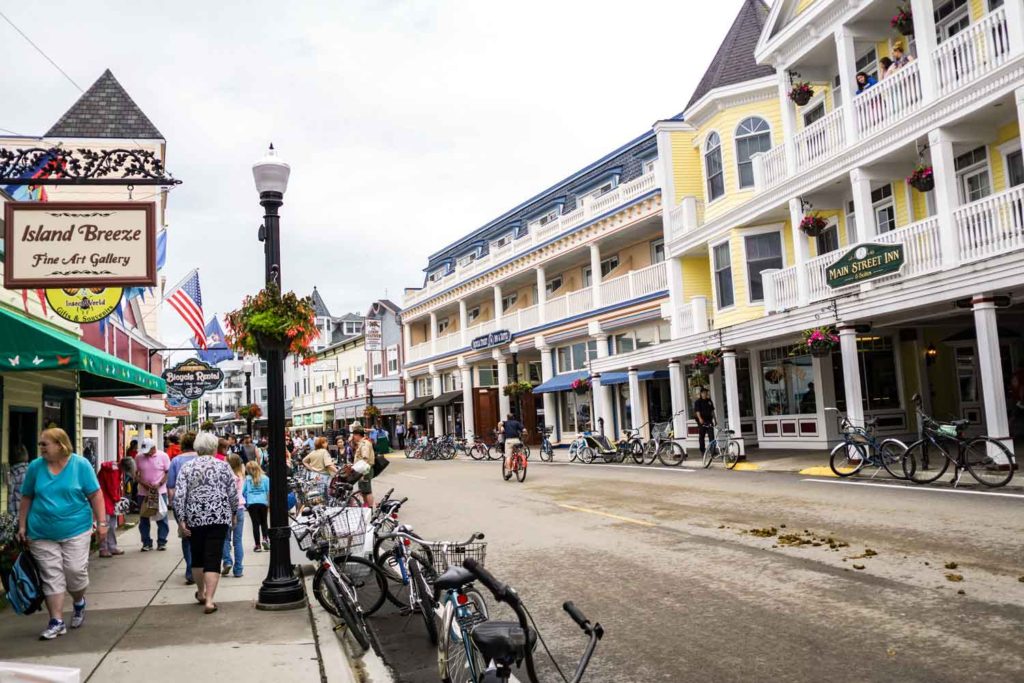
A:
(610, 378)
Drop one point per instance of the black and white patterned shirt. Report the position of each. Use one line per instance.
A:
(205, 493)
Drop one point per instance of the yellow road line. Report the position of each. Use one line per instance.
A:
(607, 514)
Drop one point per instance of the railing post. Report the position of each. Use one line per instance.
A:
(788, 119)
(699, 313)
(1015, 25)
(770, 297)
(757, 160)
(689, 213)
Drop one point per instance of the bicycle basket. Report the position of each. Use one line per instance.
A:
(948, 430)
(303, 535)
(345, 528)
(659, 430)
(454, 554)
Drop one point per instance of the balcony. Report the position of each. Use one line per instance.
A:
(985, 228)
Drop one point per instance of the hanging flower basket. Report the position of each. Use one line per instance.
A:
(699, 380)
(903, 21)
(773, 376)
(922, 179)
(516, 389)
(801, 93)
(271, 321)
(708, 361)
(817, 341)
(813, 224)
(370, 414)
(250, 411)
(207, 426)
(581, 386)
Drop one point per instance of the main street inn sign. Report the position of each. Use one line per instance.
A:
(865, 262)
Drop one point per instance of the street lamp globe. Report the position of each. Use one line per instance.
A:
(271, 173)
(247, 367)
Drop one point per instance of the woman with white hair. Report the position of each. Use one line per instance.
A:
(205, 504)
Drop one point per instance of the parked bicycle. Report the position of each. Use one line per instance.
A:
(989, 461)
(722, 447)
(408, 563)
(663, 445)
(462, 609)
(547, 451)
(861, 448)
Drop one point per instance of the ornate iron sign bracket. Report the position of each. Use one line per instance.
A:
(59, 166)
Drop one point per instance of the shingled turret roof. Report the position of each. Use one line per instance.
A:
(105, 110)
(734, 62)
(319, 306)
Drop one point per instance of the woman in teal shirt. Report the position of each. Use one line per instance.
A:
(60, 497)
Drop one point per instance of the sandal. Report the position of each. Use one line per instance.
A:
(201, 601)
(210, 610)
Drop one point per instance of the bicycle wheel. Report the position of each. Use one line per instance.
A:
(608, 456)
(526, 450)
(847, 459)
(347, 611)
(547, 453)
(671, 454)
(636, 449)
(322, 593)
(478, 452)
(506, 471)
(890, 452)
(494, 453)
(710, 453)
(732, 455)
(520, 468)
(453, 664)
(425, 600)
(384, 557)
(367, 578)
(923, 462)
(650, 452)
(989, 461)
(587, 454)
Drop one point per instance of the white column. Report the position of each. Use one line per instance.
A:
(547, 372)
(851, 375)
(1018, 96)
(542, 294)
(677, 391)
(732, 395)
(597, 394)
(410, 387)
(433, 333)
(860, 183)
(1015, 25)
(438, 410)
(604, 399)
(788, 117)
(925, 42)
(468, 421)
(825, 395)
(676, 294)
(991, 371)
(846, 55)
(497, 307)
(801, 249)
(947, 198)
(504, 402)
(463, 323)
(595, 273)
(407, 338)
(634, 399)
(699, 313)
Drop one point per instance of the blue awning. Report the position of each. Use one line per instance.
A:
(610, 378)
(561, 382)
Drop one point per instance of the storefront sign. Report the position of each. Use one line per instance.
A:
(493, 339)
(865, 262)
(77, 244)
(84, 304)
(192, 378)
(372, 334)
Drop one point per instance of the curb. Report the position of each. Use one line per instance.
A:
(818, 472)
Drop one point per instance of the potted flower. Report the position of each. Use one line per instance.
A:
(801, 93)
(271, 321)
(581, 385)
(813, 224)
(370, 414)
(707, 361)
(250, 411)
(818, 341)
(516, 389)
(922, 179)
(903, 21)
(207, 426)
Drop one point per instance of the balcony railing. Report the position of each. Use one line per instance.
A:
(891, 100)
(821, 140)
(991, 226)
(774, 169)
(976, 50)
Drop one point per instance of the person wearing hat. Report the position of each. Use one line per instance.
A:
(364, 452)
(153, 466)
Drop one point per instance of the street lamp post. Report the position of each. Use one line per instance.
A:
(281, 589)
(369, 397)
(247, 369)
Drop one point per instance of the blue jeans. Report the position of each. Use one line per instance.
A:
(162, 529)
(235, 536)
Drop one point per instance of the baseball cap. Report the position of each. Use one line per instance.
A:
(147, 445)
(358, 429)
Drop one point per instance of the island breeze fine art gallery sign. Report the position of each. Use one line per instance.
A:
(65, 244)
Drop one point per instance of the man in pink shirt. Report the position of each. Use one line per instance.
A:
(153, 466)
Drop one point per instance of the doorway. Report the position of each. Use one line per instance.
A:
(23, 431)
(485, 413)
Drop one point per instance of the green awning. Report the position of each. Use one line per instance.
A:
(26, 344)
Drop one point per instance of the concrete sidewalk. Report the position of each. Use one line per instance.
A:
(143, 623)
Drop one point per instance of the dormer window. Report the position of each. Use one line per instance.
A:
(648, 165)
(502, 241)
(466, 260)
(353, 327)
(437, 275)
(548, 217)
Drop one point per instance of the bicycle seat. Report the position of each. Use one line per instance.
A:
(730, 432)
(959, 424)
(453, 578)
(503, 641)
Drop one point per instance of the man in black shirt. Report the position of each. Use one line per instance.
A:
(512, 429)
(704, 411)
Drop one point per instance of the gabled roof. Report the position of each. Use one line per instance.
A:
(318, 304)
(384, 303)
(734, 62)
(105, 111)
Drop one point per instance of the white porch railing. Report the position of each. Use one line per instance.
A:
(780, 290)
(891, 100)
(449, 342)
(976, 50)
(578, 302)
(817, 288)
(991, 226)
(386, 385)
(821, 140)
(480, 329)
(775, 166)
(922, 251)
(615, 290)
(635, 284)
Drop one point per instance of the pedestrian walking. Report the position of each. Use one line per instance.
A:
(16, 477)
(364, 452)
(704, 413)
(188, 454)
(231, 563)
(153, 466)
(400, 435)
(60, 497)
(173, 447)
(205, 504)
(256, 492)
(223, 448)
(320, 461)
(110, 484)
(248, 450)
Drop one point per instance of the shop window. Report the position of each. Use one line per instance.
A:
(23, 431)
(576, 357)
(763, 252)
(787, 382)
(575, 410)
(722, 264)
(884, 209)
(488, 376)
(713, 167)
(972, 175)
(744, 387)
(753, 135)
(878, 375)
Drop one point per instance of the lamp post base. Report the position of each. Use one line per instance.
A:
(280, 594)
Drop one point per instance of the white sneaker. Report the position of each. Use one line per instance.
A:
(78, 617)
(55, 628)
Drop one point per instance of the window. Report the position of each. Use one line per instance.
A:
(787, 382)
(509, 301)
(851, 223)
(378, 369)
(814, 113)
(442, 325)
(878, 374)
(263, 367)
(884, 209)
(533, 370)
(553, 285)
(722, 263)
(598, 190)
(296, 392)
(502, 241)
(1015, 168)
(392, 360)
(640, 338)
(547, 217)
(713, 167)
(575, 411)
(648, 165)
(488, 376)
(263, 395)
(318, 388)
(763, 252)
(607, 265)
(868, 63)
(752, 136)
(972, 175)
(360, 374)
(437, 275)
(658, 251)
(353, 327)
(951, 18)
(473, 313)
(624, 343)
(422, 387)
(575, 357)
(466, 260)
(828, 241)
(837, 92)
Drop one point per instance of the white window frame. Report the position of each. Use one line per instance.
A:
(589, 354)
(714, 273)
(655, 244)
(1005, 150)
(549, 216)
(886, 202)
(378, 369)
(553, 285)
(705, 151)
(472, 314)
(503, 240)
(437, 275)
(736, 137)
(873, 64)
(778, 229)
(443, 325)
(975, 169)
(467, 259)
(648, 165)
(588, 279)
(508, 301)
(943, 25)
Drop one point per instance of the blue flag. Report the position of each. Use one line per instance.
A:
(216, 348)
(161, 249)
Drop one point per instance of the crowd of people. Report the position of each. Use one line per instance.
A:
(886, 68)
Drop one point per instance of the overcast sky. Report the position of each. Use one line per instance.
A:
(407, 124)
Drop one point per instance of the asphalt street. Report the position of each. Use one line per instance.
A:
(710, 575)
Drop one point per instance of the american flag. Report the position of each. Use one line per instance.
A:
(187, 300)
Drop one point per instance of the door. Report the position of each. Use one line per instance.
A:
(23, 431)
(967, 385)
(485, 413)
(529, 417)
